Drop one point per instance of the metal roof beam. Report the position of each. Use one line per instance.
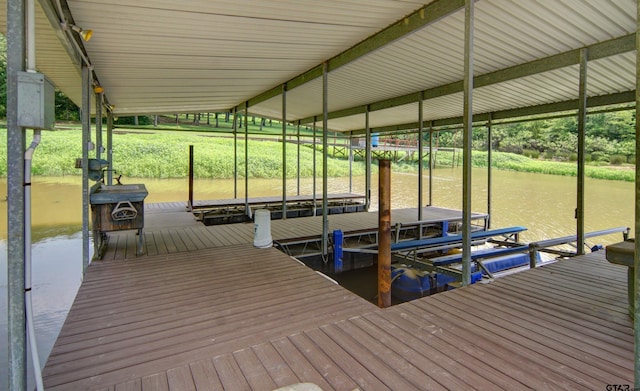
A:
(414, 21)
(569, 105)
(52, 15)
(562, 60)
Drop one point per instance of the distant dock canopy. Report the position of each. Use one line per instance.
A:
(234, 210)
(398, 150)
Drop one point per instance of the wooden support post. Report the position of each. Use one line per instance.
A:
(384, 233)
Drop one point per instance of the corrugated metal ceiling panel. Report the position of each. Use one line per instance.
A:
(507, 33)
(195, 55)
(254, 44)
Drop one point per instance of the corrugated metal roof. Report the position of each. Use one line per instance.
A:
(162, 56)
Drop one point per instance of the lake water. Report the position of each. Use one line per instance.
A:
(544, 204)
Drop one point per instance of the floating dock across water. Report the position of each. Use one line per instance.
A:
(205, 310)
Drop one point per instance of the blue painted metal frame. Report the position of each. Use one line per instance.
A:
(431, 242)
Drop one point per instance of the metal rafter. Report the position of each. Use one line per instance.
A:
(548, 108)
(597, 51)
(412, 22)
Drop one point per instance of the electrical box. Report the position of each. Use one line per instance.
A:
(36, 101)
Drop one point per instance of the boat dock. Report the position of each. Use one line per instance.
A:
(169, 229)
(205, 310)
(234, 210)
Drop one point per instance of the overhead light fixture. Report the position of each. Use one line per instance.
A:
(85, 34)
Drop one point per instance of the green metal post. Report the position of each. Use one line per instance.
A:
(284, 151)
(582, 119)
(298, 159)
(314, 165)
(420, 168)
(325, 147)
(246, 158)
(99, 148)
(350, 140)
(234, 127)
(86, 139)
(110, 147)
(466, 147)
(367, 155)
(489, 171)
(431, 163)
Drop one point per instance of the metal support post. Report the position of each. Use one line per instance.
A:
(431, 163)
(489, 171)
(636, 259)
(314, 165)
(367, 157)
(86, 139)
(350, 141)
(284, 151)
(298, 159)
(16, 319)
(582, 119)
(466, 147)
(384, 233)
(246, 159)
(420, 168)
(99, 147)
(325, 145)
(110, 147)
(234, 127)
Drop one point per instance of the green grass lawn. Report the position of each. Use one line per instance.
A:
(153, 153)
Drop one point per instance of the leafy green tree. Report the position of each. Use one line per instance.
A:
(66, 110)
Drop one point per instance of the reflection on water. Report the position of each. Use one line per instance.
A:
(544, 204)
(57, 273)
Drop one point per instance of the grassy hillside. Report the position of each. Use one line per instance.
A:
(164, 154)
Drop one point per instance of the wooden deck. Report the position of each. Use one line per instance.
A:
(135, 317)
(205, 310)
(253, 201)
(238, 318)
(170, 229)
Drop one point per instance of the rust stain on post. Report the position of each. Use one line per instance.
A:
(384, 234)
